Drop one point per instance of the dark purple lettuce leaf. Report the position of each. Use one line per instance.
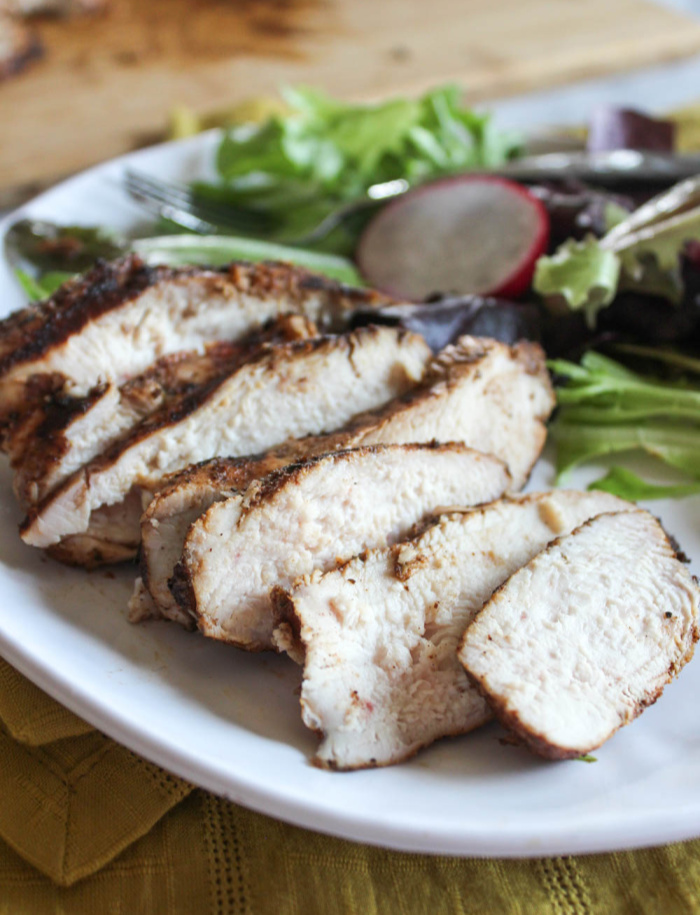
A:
(576, 210)
(631, 318)
(443, 320)
(651, 319)
(622, 128)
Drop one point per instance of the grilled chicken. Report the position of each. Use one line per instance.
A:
(378, 637)
(464, 396)
(292, 389)
(176, 505)
(582, 639)
(113, 536)
(64, 433)
(121, 317)
(312, 515)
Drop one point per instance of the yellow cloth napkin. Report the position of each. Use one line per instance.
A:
(89, 827)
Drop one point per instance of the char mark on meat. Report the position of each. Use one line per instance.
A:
(119, 318)
(64, 433)
(290, 390)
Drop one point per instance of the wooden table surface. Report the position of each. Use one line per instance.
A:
(106, 83)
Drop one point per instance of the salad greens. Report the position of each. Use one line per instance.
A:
(38, 289)
(27, 244)
(34, 289)
(606, 408)
(642, 252)
(298, 167)
(583, 273)
(218, 250)
(622, 482)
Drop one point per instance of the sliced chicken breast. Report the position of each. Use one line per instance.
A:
(489, 395)
(464, 396)
(290, 390)
(164, 525)
(119, 318)
(312, 515)
(584, 637)
(378, 637)
(64, 433)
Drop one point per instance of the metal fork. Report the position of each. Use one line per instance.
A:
(179, 203)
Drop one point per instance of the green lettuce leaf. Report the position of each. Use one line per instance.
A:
(32, 288)
(580, 275)
(605, 408)
(218, 250)
(640, 252)
(627, 485)
(300, 166)
(37, 290)
(577, 443)
(670, 357)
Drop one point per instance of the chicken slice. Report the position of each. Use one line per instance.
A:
(582, 639)
(121, 317)
(378, 637)
(164, 525)
(312, 515)
(64, 433)
(461, 398)
(291, 389)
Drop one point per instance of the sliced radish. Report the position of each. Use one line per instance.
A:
(465, 234)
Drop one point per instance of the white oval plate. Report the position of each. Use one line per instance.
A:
(230, 722)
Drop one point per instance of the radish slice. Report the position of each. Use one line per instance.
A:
(466, 234)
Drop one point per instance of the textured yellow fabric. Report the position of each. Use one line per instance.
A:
(122, 837)
(70, 806)
(30, 715)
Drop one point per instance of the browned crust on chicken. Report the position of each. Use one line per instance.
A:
(443, 370)
(28, 333)
(226, 476)
(41, 441)
(293, 473)
(447, 369)
(521, 735)
(289, 623)
(287, 368)
(174, 412)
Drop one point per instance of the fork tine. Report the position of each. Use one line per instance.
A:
(175, 198)
(181, 217)
(188, 210)
(170, 192)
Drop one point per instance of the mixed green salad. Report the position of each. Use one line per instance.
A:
(610, 285)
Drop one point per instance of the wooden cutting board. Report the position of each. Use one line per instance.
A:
(106, 83)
